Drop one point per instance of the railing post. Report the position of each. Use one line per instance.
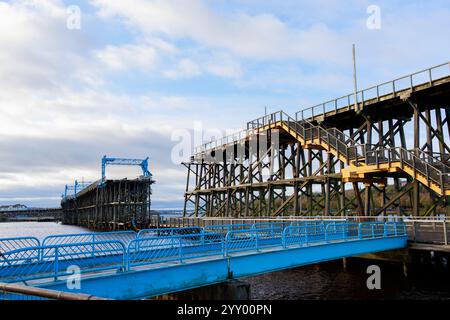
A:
(389, 157)
(202, 237)
(445, 233)
(345, 231)
(180, 253)
(225, 244)
(39, 253)
(56, 262)
(222, 243)
(283, 238)
(401, 157)
(93, 245)
(376, 158)
(127, 255)
(346, 155)
(123, 268)
(359, 231)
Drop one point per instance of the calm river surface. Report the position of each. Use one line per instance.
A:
(330, 280)
(36, 229)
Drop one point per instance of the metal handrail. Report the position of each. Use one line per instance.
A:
(41, 261)
(87, 237)
(299, 128)
(18, 290)
(321, 109)
(431, 159)
(241, 134)
(144, 233)
(407, 157)
(278, 116)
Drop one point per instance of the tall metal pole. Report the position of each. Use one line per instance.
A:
(354, 79)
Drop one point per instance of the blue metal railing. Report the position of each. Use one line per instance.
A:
(153, 250)
(8, 244)
(105, 251)
(145, 233)
(54, 260)
(124, 236)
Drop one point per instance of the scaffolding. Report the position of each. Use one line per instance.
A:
(382, 150)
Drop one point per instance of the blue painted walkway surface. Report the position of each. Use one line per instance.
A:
(129, 265)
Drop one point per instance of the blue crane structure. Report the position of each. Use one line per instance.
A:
(110, 204)
(75, 188)
(143, 163)
(78, 186)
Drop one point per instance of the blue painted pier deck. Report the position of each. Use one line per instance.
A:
(129, 265)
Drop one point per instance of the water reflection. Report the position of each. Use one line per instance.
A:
(331, 280)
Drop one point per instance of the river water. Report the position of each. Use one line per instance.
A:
(330, 280)
(36, 229)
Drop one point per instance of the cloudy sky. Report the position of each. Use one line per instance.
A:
(137, 72)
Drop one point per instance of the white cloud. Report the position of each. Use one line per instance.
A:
(262, 36)
(220, 65)
(126, 57)
(37, 50)
(224, 65)
(185, 68)
(145, 55)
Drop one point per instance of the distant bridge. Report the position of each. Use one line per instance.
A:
(32, 214)
(129, 265)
